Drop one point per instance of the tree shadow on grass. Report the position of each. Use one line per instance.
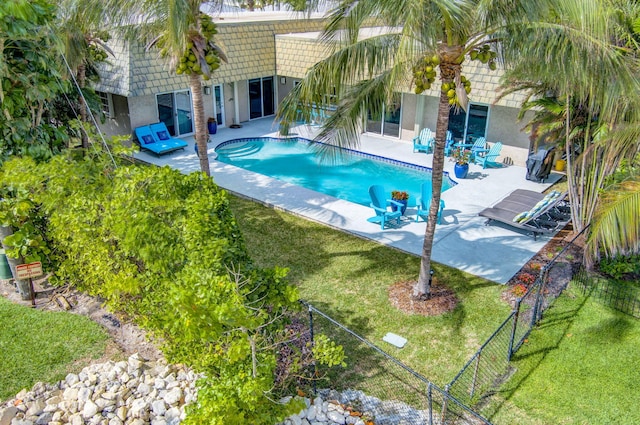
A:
(555, 323)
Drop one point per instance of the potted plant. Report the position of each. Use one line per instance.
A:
(212, 125)
(400, 196)
(461, 157)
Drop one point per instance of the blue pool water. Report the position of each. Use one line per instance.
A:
(344, 174)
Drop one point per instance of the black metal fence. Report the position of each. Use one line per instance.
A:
(621, 296)
(390, 392)
(490, 365)
(381, 387)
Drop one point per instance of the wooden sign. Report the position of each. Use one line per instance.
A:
(26, 271)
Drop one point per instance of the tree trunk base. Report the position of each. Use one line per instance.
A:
(420, 296)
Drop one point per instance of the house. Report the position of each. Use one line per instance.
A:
(268, 53)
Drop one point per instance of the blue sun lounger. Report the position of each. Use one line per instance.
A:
(156, 138)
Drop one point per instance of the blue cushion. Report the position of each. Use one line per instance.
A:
(148, 139)
(162, 135)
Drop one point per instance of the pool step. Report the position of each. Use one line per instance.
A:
(240, 151)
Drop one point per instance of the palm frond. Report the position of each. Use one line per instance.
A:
(616, 226)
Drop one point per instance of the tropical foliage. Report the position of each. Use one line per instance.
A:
(179, 268)
(30, 79)
(80, 29)
(615, 230)
(591, 110)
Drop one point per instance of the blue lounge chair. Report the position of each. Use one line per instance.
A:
(424, 203)
(487, 157)
(381, 204)
(156, 138)
(423, 142)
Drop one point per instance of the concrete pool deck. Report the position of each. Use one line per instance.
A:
(462, 240)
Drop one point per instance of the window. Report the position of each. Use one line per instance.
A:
(106, 102)
(469, 125)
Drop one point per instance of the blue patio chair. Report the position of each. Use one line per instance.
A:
(479, 147)
(490, 156)
(424, 203)
(381, 204)
(423, 142)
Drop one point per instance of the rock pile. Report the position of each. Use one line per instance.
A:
(132, 392)
(353, 407)
(139, 392)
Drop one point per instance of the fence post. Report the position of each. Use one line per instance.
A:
(516, 313)
(537, 310)
(315, 368)
(445, 402)
(475, 375)
(430, 400)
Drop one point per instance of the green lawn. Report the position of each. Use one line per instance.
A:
(348, 277)
(43, 346)
(580, 366)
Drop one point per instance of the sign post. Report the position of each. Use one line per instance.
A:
(29, 271)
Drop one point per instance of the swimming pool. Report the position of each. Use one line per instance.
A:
(347, 175)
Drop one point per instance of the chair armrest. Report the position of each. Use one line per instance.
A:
(381, 210)
(392, 202)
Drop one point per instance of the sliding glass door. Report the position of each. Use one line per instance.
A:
(261, 97)
(218, 104)
(175, 111)
(388, 122)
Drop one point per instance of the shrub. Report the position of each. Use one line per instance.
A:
(526, 278)
(621, 266)
(519, 290)
(164, 248)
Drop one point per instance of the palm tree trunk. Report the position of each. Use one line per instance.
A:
(449, 68)
(422, 289)
(202, 135)
(81, 76)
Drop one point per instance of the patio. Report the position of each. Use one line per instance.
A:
(462, 240)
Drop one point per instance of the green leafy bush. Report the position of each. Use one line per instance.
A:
(621, 266)
(165, 249)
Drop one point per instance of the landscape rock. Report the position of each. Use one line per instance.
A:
(122, 393)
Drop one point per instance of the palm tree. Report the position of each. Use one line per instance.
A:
(422, 36)
(185, 36)
(418, 38)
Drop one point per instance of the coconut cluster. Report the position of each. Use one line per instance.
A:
(450, 89)
(200, 56)
(424, 73)
(97, 53)
(485, 55)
